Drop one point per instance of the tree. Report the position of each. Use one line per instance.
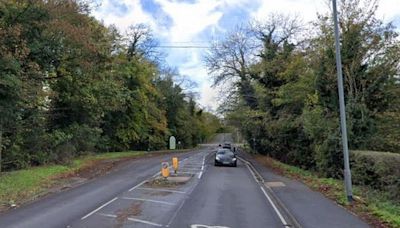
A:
(69, 86)
(142, 44)
(370, 54)
(230, 60)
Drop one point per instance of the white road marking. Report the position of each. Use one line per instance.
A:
(252, 173)
(285, 224)
(275, 208)
(158, 173)
(134, 220)
(136, 186)
(206, 226)
(194, 169)
(162, 190)
(148, 200)
(188, 173)
(181, 205)
(202, 167)
(96, 210)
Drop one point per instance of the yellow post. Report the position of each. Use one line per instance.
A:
(175, 164)
(165, 169)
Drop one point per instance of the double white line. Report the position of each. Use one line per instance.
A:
(261, 182)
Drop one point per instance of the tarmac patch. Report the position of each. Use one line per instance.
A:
(135, 209)
(274, 184)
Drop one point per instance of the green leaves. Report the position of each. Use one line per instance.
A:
(295, 86)
(70, 85)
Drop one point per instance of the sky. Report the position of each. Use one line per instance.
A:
(197, 22)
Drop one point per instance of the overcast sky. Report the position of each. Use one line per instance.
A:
(196, 22)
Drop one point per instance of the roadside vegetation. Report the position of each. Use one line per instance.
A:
(283, 93)
(70, 86)
(375, 206)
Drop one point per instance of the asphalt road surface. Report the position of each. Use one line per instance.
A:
(227, 197)
(201, 196)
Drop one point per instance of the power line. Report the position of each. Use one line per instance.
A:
(182, 46)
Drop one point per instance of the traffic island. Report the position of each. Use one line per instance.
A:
(172, 181)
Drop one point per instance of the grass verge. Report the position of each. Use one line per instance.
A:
(19, 187)
(370, 205)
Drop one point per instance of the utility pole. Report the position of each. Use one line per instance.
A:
(347, 172)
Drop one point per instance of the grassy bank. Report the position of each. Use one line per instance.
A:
(371, 205)
(20, 186)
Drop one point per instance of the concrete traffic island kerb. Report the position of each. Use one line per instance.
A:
(172, 181)
(165, 178)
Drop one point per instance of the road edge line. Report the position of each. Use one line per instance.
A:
(273, 196)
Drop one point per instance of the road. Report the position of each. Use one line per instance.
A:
(204, 196)
(60, 209)
(227, 197)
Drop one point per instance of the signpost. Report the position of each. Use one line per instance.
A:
(172, 143)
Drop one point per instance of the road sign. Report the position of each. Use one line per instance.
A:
(172, 143)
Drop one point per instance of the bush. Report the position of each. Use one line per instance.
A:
(329, 157)
(380, 170)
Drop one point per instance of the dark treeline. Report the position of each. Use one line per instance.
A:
(284, 95)
(69, 85)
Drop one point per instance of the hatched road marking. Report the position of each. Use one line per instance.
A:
(162, 190)
(148, 200)
(99, 208)
(134, 220)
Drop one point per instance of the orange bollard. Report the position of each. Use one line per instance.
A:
(175, 164)
(165, 169)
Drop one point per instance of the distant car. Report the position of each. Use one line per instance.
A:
(227, 146)
(225, 157)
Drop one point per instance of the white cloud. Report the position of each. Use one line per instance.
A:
(189, 21)
(389, 9)
(209, 97)
(134, 15)
(306, 9)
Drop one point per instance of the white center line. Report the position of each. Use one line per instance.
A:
(202, 167)
(91, 213)
(134, 220)
(149, 200)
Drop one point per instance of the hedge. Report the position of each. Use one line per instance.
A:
(379, 170)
